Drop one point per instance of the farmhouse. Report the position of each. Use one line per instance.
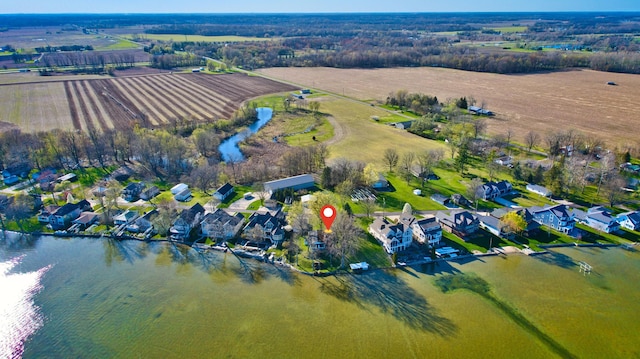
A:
(629, 220)
(557, 217)
(427, 230)
(394, 237)
(543, 191)
(221, 225)
(295, 183)
(223, 192)
(598, 218)
(462, 224)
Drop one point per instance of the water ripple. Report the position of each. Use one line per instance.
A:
(19, 316)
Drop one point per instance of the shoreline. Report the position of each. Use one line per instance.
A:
(262, 256)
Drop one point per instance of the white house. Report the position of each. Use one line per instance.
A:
(629, 220)
(427, 230)
(394, 237)
(223, 192)
(543, 191)
(178, 188)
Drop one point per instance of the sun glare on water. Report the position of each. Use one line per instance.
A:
(19, 316)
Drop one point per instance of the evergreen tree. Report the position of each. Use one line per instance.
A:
(463, 157)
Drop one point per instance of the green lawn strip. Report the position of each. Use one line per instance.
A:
(594, 235)
(320, 129)
(254, 205)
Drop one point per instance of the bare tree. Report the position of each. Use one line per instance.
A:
(390, 158)
(204, 176)
(407, 164)
(531, 139)
(473, 190)
(479, 127)
(344, 239)
(368, 205)
(606, 169)
(613, 189)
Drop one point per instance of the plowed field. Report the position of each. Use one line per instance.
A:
(546, 102)
(116, 102)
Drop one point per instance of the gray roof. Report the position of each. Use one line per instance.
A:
(295, 181)
(428, 224)
(225, 188)
(490, 221)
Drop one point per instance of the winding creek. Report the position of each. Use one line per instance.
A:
(103, 298)
(229, 149)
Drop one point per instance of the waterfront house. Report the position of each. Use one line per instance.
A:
(462, 224)
(143, 223)
(132, 191)
(314, 241)
(62, 218)
(558, 217)
(598, 218)
(221, 225)
(188, 220)
(86, 220)
(125, 217)
(629, 220)
(45, 214)
(223, 192)
(427, 230)
(532, 225)
(395, 237)
(492, 225)
(264, 225)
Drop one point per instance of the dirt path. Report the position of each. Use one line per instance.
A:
(338, 131)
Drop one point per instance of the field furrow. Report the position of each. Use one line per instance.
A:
(101, 114)
(200, 93)
(185, 99)
(117, 109)
(73, 108)
(142, 103)
(225, 104)
(166, 103)
(82, 106)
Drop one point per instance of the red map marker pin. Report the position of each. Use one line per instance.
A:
(328, 215)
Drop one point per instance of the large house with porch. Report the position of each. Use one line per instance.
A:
(558, 217)
(188, 220)
(629, 220)
(462, 224)
(221, 225)
(598, 218)
(427, 230)
(266, 226)
(491, 190)
(63, 217)
(395, 237)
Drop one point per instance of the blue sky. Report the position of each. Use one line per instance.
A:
(282, 6)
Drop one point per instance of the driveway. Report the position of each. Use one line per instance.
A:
(243, 203)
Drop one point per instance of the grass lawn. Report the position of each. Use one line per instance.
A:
(510, 29)
(89, 176)
(320, 128)
(238, 193)
(593, 235)
(254, 205)
(118, 44)
(403, 193)
(359, 138)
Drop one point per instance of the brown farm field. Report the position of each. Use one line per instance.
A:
(544, 102)
(106, 103)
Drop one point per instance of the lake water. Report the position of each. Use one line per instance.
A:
(98, 298)
(229, 149)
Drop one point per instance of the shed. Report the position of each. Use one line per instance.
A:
(180, 187)
(295, 183)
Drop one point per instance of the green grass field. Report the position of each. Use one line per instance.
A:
(510, 29)
(360, 138)
(198, 38)
(118, 44)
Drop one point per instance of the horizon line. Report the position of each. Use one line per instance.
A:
(327, 12)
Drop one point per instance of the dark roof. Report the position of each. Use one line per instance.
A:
(70, 207)
(189, 215)
(559, 210)
(225, 188)
(134, 186)
(221, 216)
